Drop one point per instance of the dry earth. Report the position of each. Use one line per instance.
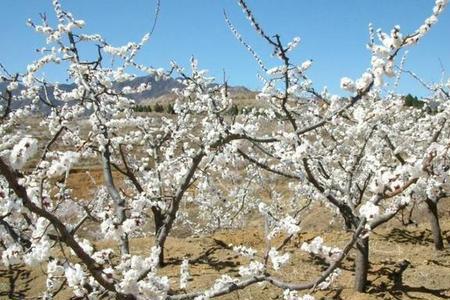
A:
(426, 277)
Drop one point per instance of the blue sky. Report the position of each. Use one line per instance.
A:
(333, 33)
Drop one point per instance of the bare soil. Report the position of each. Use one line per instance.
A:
(426, 275)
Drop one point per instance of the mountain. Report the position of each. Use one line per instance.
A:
(161, 89)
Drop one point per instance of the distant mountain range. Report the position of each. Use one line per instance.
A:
(161, 89)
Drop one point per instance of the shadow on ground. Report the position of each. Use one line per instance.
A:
(402, 235)
(211, 258)
(16, 282)
(389, 284)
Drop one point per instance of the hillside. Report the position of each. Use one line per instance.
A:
(161, 91)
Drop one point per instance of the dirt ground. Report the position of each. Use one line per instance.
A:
(427, 275)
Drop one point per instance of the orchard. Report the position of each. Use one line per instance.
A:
(366, 158)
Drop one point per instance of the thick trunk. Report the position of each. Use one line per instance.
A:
(159, 222)
(161, 237)
(435, 226)
(161, 262)
(361, 264)
(124, 245)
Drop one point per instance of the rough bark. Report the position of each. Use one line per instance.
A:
(361, 264)
(435, 226)
(159, 222)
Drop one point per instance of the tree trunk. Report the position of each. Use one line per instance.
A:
(161, 262)
(361, 264)
(119, 202)
(435, 226)
(124, 244)
(161, 237)
(159, 222)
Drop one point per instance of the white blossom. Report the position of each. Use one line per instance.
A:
(23, 151)
(369, 210)
(277, 259)
(254, 268)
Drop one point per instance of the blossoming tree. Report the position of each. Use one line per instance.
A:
(368, 156)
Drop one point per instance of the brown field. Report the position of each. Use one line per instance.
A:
(427, 276)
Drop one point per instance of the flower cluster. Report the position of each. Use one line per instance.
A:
(317, 248)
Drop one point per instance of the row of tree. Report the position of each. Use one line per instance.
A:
(234, 110)
(158, 108)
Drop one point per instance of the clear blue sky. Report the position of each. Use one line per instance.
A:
(333, 33)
